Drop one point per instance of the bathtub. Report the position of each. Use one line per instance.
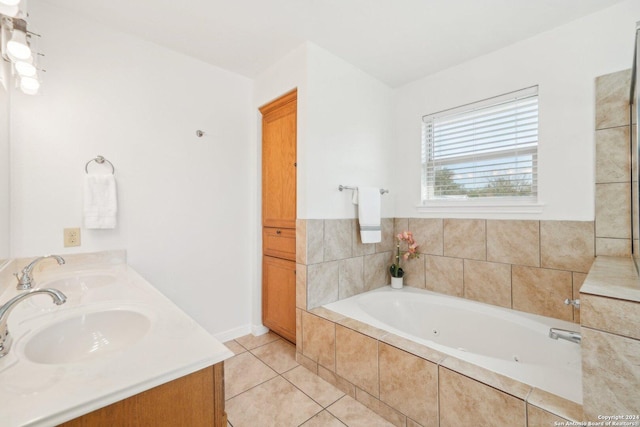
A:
(509, 342)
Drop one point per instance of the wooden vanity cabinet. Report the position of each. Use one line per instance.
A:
(193, 400)
(279, 215)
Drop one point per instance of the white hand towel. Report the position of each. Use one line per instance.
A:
(100, 201)
(369, 214)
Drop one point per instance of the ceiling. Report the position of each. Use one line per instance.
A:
(396, 41)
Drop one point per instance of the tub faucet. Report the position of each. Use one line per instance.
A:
(564, 334)
(5, 339)
(26, 280)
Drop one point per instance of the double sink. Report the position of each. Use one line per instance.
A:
(115, 336)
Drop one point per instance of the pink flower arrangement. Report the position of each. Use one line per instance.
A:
(412, 252)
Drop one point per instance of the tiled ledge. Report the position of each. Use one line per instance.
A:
(613, 277)
(539, 404)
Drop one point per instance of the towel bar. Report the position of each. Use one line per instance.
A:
(99, 160)
(346, 187)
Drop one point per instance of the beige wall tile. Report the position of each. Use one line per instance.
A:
(337, 239)
(357, 359)
(514, 242)
(465, 402)
(613, 210)
(566, 409)
(612, 99)
(428, 233)
(465, 238)
(488, 282)
(542, 291)
(414, 272)
(613, 247)
(337, 381)
(412, 347)
(395, 417)
(567, 245)
(319, 340)
(539, 417)
(323, 282)
(487, 377)
(610, 375)
(387, 236)
(298, 330)
(315, 241)
(301, 241)
(399, 225)
(306, 362)
(351, 277)
(301, 286)
(360, 248)
(611, 315)
(444, 275)
(409, 384)
(376, 270)
(612, 155)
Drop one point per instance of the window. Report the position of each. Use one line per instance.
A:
(485, 151)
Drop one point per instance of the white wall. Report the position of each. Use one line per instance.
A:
(348, 137)
(184, 202)
(564, 63)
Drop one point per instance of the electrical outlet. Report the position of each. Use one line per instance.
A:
(71, 237)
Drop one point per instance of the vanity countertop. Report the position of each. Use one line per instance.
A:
(165, 345)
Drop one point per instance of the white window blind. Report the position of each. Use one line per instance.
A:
(482, 150)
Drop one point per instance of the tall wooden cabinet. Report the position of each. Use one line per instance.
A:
(279, 215)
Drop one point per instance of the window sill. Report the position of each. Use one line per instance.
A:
(481, 207)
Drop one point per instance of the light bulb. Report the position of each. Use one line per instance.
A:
(17, 47)
(25, 68)
(29, 85)
(10, 2)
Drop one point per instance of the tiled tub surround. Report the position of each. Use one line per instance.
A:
(508, 342)
(610, 320)
(613, 164)
(526, 265)
(413, 385)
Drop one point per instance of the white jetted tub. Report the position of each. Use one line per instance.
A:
(509, 342)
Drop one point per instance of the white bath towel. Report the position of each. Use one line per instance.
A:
(100, 201)
(369, 214)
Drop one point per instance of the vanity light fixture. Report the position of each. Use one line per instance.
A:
(17, 47)
(18, 50)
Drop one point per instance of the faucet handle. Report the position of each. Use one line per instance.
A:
(573, 302)
(24, 282)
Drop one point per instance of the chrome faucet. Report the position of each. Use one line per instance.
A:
(26, 280)
(5, 339)
(564, 334)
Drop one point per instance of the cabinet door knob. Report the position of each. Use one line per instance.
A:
(278, 231)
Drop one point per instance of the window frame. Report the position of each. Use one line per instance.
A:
(487, 204)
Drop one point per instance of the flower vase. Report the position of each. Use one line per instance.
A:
(396, 282)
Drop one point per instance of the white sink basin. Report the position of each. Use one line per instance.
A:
(86, 336)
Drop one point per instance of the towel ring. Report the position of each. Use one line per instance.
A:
(99, 160)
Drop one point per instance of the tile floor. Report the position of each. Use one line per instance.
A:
(266, 387)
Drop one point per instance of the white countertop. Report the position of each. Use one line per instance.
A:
(39, 394)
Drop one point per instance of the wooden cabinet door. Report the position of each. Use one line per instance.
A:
(279, 296)
(279, 162)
